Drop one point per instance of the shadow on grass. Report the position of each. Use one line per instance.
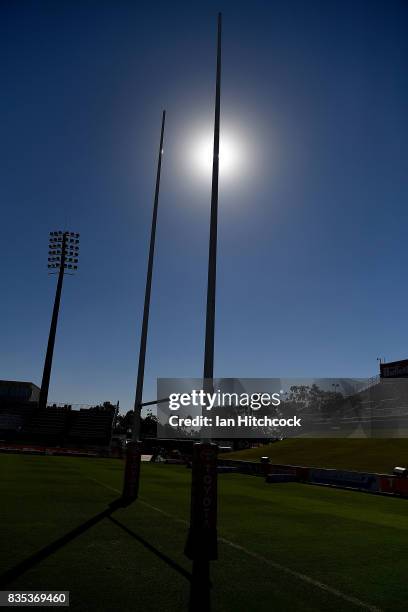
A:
(152, 549)
(21, 568)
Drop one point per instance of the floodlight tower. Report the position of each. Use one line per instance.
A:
(62, 256)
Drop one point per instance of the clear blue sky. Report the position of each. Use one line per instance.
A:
(312, 246)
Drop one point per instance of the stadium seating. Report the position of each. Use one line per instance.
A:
(57, 425)
(14, 417)
(92, 425)
(50, 422)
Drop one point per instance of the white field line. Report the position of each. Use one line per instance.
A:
(293, 573)
(304, 577)
(103, 484)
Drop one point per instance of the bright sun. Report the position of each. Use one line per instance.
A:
(238, 155)
(230, 155)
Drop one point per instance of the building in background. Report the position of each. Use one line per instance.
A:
(18, 391)
(394, 369)
(23, 421)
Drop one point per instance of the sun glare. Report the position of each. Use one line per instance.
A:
(238, 159)
(230, 156)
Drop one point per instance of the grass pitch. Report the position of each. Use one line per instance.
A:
(282, 547)
(379, 455)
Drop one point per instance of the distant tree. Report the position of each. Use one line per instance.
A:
(148, 426)
(124, 422)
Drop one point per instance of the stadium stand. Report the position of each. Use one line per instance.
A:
(18, 391)
(14, 418)
(22, 421)
(18, 401)
(50, 423)
(92, 425)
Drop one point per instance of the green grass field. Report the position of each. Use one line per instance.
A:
(379, 455)
(286, 547)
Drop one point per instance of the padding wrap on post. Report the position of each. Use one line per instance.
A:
(202, 536)
(132, 472)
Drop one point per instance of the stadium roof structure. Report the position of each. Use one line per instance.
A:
(19, 390)
(394, 369)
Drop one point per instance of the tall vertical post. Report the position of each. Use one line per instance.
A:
(212, 252)
(201, 545)
(45, 383)
(133, 454)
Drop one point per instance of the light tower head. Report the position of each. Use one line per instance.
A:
(63, 251)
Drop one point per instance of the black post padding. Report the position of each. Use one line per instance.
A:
(202, 537)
